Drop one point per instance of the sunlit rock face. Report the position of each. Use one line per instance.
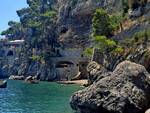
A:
(76, 17)
(125, 90)
(71, 29)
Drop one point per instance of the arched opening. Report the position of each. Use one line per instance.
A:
(63, 64)
(10, 53)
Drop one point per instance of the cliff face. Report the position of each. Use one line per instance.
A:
(75, 19)
(70, 28)
(115, 84)
(62, 24)
(124, 90)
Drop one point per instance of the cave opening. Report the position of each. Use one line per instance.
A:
(63, 64)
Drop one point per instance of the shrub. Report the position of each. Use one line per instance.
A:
(88, 52)
(103, 26)
(101, 23)
(35, 58)
(118, 50)
(116, 19)
(103, 43)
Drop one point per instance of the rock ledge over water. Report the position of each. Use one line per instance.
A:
(125, 90)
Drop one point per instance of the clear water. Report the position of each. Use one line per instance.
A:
(20, 97)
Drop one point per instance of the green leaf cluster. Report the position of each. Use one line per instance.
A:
(103, 27)
(101, 23)
(103, 43)
(35, 58)
(88, 52)
(118, 50)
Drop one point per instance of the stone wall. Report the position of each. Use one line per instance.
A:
(8, 54)
(69, 64)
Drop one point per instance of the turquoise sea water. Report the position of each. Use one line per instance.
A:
(20, 97)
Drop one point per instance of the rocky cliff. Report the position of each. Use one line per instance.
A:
(50, 26)
(57, 24)
(116, 85)
(65, 24)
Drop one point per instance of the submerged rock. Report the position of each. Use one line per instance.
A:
(125, 90)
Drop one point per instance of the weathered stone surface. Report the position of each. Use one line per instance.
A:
(76, 17)
(125, 90)
(14, 77)
(72, 29)
(95, 72)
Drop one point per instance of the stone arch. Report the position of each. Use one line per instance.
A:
(62, 64)
(10, 53)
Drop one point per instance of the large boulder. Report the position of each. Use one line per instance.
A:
(125, 90)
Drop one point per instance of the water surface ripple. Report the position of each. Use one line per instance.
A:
(20, 97)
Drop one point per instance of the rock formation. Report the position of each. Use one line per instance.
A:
(125, 90)
(71, 28)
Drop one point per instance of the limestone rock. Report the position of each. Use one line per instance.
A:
(14, 77)
(76, 17)
(95, 72)
(125, 90)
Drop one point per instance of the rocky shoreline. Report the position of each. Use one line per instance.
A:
(125, 90)
(60, 38)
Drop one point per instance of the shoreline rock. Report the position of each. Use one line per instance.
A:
(125, 90)
(13, 77)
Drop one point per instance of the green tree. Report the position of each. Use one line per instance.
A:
(103, 27)
(104, 44)
(36, 26)
(15, 30)
(101, 23)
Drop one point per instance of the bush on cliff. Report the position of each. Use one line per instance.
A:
(88, 52)
(103, 43)
(35, 58)
(103, 26)
(101, 23)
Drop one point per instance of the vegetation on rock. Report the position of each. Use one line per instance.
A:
(103, 27)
